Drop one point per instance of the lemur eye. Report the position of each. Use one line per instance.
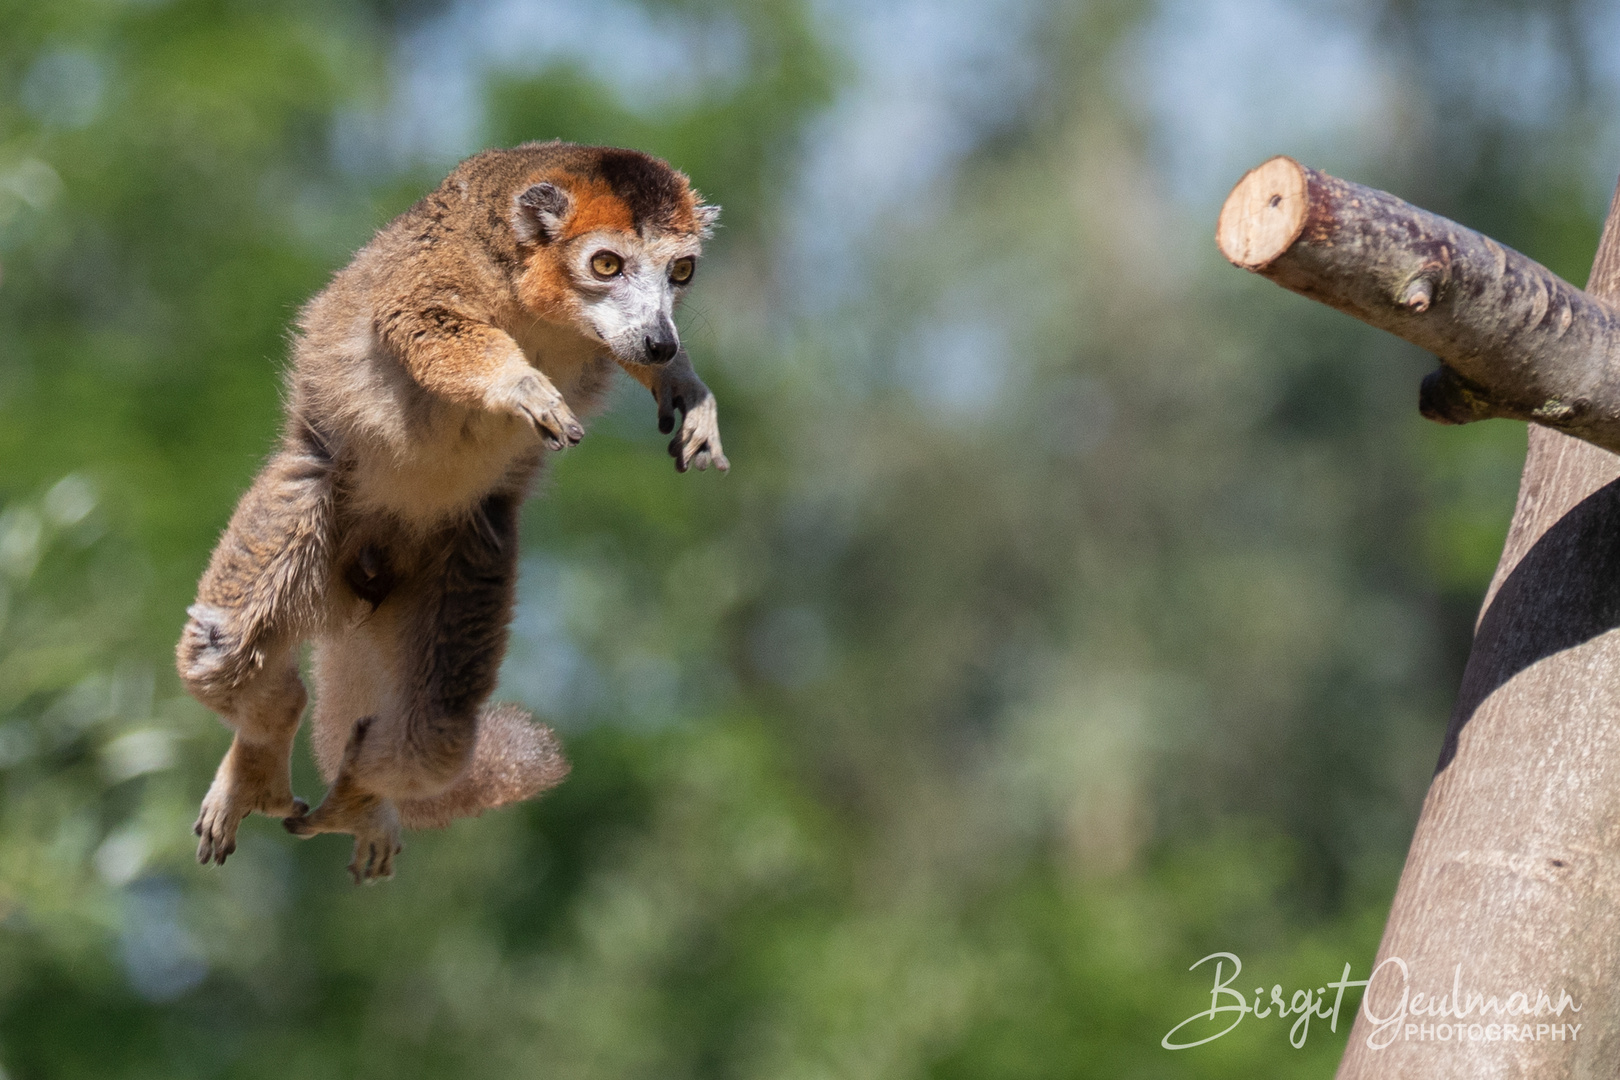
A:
(605, 264)
(681, 272)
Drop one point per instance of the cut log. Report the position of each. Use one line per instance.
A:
(1514, 339)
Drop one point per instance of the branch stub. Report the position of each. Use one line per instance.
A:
(1264, 214)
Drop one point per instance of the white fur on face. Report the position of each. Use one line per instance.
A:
(624, 310)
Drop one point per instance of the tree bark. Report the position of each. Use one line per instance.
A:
(1512, 883)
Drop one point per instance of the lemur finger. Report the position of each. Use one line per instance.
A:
(538, 422)
(666, 411)
(713, 456)
(694, 450)
(700, 455)
(666, 419)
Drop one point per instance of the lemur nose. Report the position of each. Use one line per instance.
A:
(660, 347)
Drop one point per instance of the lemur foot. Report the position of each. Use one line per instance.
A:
(371, 819)
(251, 777)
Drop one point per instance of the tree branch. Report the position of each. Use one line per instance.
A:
(1514, 339)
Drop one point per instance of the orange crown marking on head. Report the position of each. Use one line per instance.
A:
(595, 207)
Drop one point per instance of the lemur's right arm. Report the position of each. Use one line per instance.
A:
(473, 363)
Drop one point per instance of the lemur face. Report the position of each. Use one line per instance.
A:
(612, 259)
(627, 288)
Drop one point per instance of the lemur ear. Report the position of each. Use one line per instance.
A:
(707, 216)
(538, 212)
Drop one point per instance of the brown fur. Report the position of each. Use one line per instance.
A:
(427, 381)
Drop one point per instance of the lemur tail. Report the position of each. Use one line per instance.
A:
(515, 759)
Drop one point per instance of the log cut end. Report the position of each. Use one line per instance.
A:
(1264, 215)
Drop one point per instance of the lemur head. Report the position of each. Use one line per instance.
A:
(610, 240)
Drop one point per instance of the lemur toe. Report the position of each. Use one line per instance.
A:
(374, 859)
(215, 842)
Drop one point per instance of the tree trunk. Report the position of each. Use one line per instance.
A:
(1512, 884)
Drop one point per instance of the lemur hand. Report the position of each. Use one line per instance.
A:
(532, 396)
(697, 444)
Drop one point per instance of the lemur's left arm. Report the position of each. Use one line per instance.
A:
(676, 386)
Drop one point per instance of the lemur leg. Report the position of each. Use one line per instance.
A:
(254, 774)
(351, 807)
(401, 695)
(359, 678)
(238, 652)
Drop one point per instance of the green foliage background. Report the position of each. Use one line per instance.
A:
(934, 741)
